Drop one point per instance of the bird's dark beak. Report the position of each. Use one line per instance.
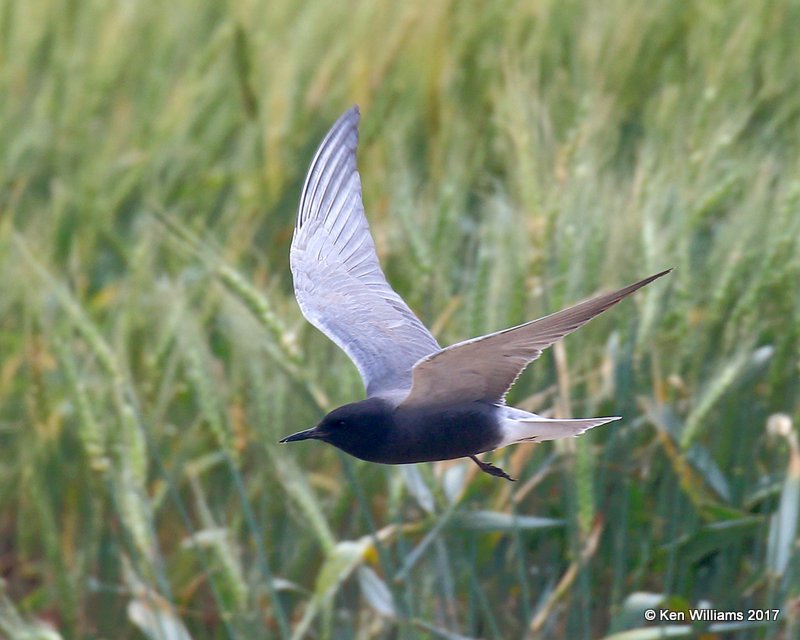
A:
(302, 435)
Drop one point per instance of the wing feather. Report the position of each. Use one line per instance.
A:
(484, 368)
(338, 280)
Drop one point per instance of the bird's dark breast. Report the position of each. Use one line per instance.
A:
(429, 434)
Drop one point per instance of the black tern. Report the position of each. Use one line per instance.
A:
(424, 403)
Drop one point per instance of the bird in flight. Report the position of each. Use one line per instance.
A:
(424, 403)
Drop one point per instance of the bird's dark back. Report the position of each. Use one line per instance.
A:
(376, 431)
(442, 433)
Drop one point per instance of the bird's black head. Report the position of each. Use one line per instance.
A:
(359, 428)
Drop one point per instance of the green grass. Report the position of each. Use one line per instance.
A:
(516, 157)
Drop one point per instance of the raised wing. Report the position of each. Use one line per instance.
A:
(484, 368)
(338, 281)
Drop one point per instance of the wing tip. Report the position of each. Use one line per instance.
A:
(656, 276)
(626, 291)
(351, 117)
(343, 125)
(661, 273)
(354, 111)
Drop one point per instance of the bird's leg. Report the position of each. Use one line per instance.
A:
(489, 468)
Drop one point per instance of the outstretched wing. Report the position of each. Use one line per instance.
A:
(484, 368)
(338, 281)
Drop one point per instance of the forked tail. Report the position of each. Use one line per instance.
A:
(533, 428)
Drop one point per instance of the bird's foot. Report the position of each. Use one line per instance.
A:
(489, 468)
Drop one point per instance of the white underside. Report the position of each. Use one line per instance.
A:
(521, 426)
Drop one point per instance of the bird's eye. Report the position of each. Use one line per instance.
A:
(340, 423)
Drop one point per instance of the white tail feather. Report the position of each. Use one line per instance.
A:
(538, 429)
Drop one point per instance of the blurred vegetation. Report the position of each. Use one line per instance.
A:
(516, 157)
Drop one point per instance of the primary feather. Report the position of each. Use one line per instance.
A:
(338, 281)
(484, 368)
